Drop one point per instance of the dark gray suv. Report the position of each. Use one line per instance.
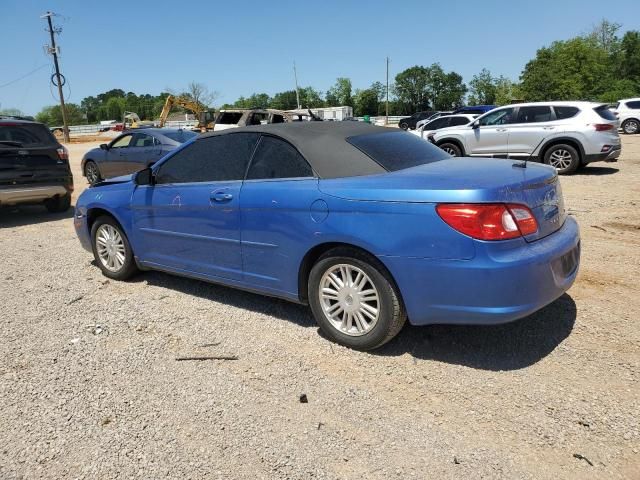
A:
(34, 166)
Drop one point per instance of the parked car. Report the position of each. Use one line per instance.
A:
(432, 117)
(409, 123)
(132, 151)
(34, 166)
(475, 109)
(368, 225)
(565, 135)
(628, 113)
(429, 126)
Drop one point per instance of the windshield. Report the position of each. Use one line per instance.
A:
(397, 150)
(25, 135)
(180, 136)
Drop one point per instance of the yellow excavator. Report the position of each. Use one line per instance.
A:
(205, 117)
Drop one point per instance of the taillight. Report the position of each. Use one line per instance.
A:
(603, 127)
(495, 221)
(63, 153)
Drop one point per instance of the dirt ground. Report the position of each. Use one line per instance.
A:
(90, 388)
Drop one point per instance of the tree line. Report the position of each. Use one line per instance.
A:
(599, 65)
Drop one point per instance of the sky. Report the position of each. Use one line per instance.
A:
(240, 47)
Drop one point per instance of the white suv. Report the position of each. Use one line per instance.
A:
(565, 135)
(629, 115)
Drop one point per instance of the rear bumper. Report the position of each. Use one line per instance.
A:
(31, 194)
(609, 156)
(505, 281)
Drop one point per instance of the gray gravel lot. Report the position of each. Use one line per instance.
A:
(90, 388)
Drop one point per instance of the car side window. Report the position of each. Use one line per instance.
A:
(455, 121)
(497, 117)
(122, 142)
(275, 158)
(210, 159)
(563, 113)
(635, 105)
(142, 140)
(534, 114)
(437, 123)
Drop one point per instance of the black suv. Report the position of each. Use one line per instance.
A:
(34, 167)
(409, 123)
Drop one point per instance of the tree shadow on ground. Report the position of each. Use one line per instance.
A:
(18, 216)
(509, 346)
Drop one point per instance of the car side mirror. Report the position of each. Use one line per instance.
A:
(475, 125)
(104, 146)
(145, 177)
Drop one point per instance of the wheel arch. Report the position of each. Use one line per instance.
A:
(312, 256)
(93, 213)
(556, 141)
(455, 141)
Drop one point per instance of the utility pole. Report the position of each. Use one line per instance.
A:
(386, 120)
(295, 74)
(53, 50)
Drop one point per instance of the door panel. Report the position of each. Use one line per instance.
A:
(532, 125)
(492, 135)
(277, 224)
(190, 227)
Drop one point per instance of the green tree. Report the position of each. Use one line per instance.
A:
(410, 88)
(366, 102)
(446, 90)
(604, 34)
(576, 69)
(52, 115)
(482, 88)
(506, 91)
(627, 57)
(310, 98)
(340, 94)
(284, 100)
(12, 111)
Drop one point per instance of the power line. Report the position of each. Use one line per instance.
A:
(24, 76)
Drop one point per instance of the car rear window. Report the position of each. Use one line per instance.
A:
(605, 113)
(26, 135)
(180, 136)
(563, 113)
(229, 118)
(397, 150)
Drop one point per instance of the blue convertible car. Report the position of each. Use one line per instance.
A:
(369, 226)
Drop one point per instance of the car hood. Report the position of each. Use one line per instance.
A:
(114, 181)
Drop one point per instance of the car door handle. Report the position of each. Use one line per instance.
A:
(501, 129)
(548, 128)
(221, 196)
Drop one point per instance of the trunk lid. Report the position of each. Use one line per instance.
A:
(464, 180)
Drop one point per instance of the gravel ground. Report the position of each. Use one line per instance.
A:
(90, 388)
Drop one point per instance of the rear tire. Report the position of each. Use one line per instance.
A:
(354, 300)
(631, 126)
(58, 204)
(564, 158)
(404, 126)
(452, 149)
(111, 249)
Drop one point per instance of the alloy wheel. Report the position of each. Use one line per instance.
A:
(349, 299)
(450, 151)
(92, 173)
(110, 247)
(560, 159)
(631, 127)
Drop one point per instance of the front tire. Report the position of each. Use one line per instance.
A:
(631, 126)
(452, 149)
(92, 172)
(354, 299)
(111, 249)
(564, 158)
(58, 204)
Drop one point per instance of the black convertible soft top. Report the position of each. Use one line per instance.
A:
(324, 145)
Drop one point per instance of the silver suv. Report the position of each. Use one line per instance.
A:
(565, 135)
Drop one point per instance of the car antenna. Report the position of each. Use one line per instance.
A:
(524, 164)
